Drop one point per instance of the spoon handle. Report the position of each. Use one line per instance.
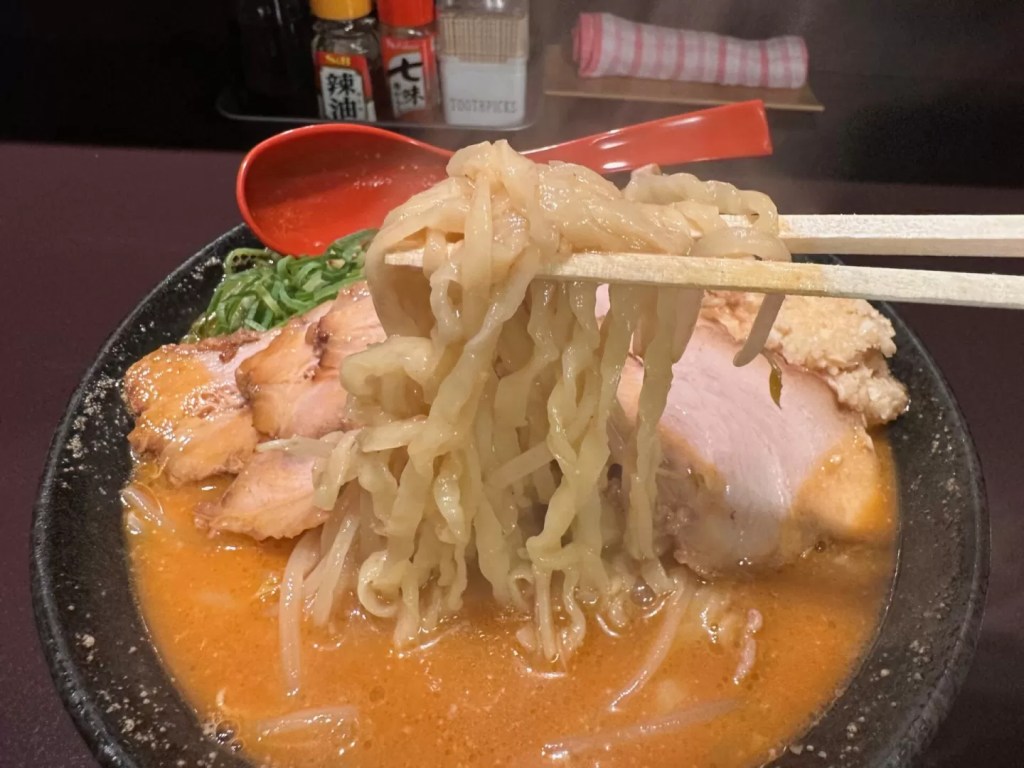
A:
(732, 130)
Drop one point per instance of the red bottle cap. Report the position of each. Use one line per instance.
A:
(405, 13)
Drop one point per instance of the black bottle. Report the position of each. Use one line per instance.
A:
(276, 69)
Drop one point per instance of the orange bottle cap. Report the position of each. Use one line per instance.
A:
(340, 10)
(405, 13)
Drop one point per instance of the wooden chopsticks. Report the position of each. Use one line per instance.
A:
(927, 235)
(875, 235)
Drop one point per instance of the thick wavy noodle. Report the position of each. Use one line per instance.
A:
(485, 449)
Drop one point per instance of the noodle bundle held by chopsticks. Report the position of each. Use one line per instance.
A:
(486, 413)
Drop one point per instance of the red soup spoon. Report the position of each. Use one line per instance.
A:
(302, 189)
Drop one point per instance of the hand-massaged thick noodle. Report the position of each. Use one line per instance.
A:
(486, 412)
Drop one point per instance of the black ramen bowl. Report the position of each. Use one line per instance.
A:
(127, 706)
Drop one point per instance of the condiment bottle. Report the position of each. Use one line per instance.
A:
(483, 49)
(345, 53)
(407, 47)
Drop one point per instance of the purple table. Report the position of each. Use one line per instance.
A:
(86, 232)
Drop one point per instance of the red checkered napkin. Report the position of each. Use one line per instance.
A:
(605, 45)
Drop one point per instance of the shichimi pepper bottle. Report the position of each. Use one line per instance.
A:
(408, 53)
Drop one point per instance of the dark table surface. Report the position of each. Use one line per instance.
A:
(86, 232)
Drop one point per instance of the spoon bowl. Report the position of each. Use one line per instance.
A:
(302, 189)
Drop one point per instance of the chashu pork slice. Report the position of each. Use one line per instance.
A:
(844, 341)
(745, 481)
(272, 497)
(289, 392)
(350, 326)
(293, 385)
(194, 418)
(188, 411)
(295, 389)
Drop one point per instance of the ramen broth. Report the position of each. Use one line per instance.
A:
(469, 695)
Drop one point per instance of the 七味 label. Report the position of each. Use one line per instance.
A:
(409, 67)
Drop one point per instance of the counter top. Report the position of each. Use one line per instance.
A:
(86, 232)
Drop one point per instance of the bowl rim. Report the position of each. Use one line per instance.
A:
(77, 697)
